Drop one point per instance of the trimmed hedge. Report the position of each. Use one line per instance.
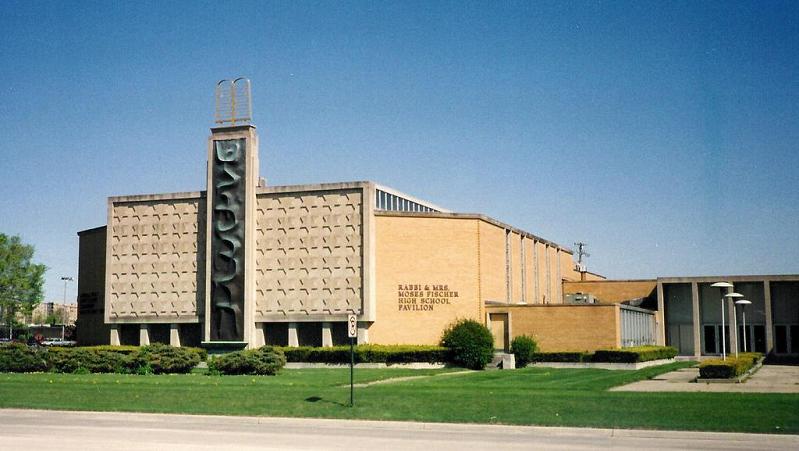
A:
(523, 348)
(86, 360)
(20, 358)
(730, 368)
(265, 360)
(163, 359)
(634, 354)
(470, 343)
(567, 356)
(388, 354)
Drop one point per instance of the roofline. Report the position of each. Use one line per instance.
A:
(395, 192)
(738, 278)
(482, 217)
(92, 230)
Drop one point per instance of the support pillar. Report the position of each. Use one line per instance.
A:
(174, 335)
(769, 318)
(696, 319)
(144, 335)
(363, 333)
(260, 335)
(661, 317)
(293, 338)
(327, 335)
(114, 339)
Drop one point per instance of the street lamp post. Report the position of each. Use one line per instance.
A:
(721, 286)
(743, 303)
(734, 325)
(64, 306)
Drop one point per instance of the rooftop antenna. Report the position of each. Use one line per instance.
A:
(233, 102)
(581, 253)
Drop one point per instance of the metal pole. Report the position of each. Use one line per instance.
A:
(352, 364)
(744, 318)
(63, 308)
(723, 339)
(735, 326)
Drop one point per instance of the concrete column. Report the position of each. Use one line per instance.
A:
(363, 333)
(293, 339)
(327, 335)
(733, 326)
(144, 335)
(549, 275)
(660, 316)
(559, 285)
(696, 320)
(174, 335)
(260, 335)
(769, 318)
(523, 300)
(114, 339)
(536, 277)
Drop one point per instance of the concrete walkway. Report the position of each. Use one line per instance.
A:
(768, 379)
(87, 431)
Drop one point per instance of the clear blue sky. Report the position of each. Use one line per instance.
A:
(664, 134)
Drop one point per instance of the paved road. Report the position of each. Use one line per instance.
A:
(64, 431)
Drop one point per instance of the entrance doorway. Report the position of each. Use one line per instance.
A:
(498, 322)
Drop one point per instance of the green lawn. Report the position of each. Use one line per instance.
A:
(555, 397)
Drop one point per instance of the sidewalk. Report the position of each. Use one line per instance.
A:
(769, 379)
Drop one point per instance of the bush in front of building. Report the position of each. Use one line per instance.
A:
(266, 360)
(634, 354)
(87, 360)
(730, 368)
(563, 356)
(163, 359)
(19, 358)
(523, 348)
(388, 354)
(470, 344)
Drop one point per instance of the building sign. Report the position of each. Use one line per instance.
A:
(227, 240)
(424, 297)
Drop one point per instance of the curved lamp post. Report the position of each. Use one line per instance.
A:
(743, 303)
(64, 315)
(721, 286)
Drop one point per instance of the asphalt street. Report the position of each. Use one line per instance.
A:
(61, 430)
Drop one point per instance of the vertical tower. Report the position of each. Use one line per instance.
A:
(232, 181)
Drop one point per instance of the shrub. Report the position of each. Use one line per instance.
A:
(523, 347)
(82, 360)
(163, 359)
(19, 358)
(566, 356)
(389, 354)
(266, 360)
(634, 354)
(470, 344)
(730, 368)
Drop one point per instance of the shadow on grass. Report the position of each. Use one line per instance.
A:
(319, 398)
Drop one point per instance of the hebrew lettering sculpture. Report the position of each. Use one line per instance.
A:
(227, 241)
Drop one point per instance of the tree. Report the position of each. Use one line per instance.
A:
(21, 280)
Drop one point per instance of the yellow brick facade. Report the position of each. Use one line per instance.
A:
(563, 327)
(612, 290)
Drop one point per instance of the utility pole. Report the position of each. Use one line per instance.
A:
(64, 316)
(581, 252)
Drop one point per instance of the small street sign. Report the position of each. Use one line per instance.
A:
(352, 326)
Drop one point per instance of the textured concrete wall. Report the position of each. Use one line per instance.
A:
(420, 253)
(155, 258)
(612, 290)
(309, 254)
(565, 327)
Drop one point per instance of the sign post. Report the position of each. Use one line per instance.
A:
(352, 332)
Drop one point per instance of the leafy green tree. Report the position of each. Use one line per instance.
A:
(21, 280)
